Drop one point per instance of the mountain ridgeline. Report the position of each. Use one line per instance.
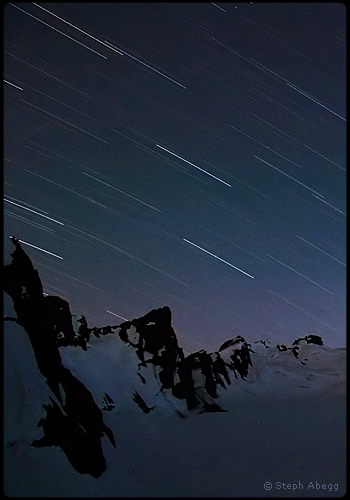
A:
(74, 421)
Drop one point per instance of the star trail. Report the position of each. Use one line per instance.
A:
(218, 258)
(191, 155)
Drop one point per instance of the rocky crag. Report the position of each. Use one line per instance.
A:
(74, 421)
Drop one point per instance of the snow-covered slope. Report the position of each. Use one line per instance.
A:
(285, 423)
(128, 414)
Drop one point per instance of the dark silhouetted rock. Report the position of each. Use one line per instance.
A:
(219, 368)
(310, 339)
(123, 334)
(185, 388)
(83, 332)
(231, 342)
(295, 351)
(78, 425)
(143, 380)
(281, 347)
(240, 357)
(155, 330)
(141, 403)
(83, 451)
(108, 403)
(20, 279)
(211, 408)
(59, 317)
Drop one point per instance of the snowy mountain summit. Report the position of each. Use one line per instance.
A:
(69, 389)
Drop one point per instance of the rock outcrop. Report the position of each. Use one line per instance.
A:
(73, 421)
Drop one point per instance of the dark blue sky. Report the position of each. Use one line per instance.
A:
(190, 155)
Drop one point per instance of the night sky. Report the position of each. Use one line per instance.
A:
(183, 154)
